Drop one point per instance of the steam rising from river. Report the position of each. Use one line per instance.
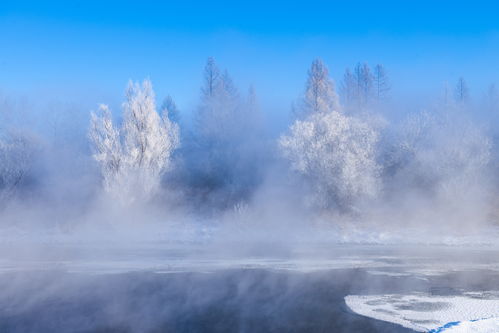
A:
(344, 171)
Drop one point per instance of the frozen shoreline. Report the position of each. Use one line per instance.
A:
(425, 312)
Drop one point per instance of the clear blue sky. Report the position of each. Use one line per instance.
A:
(85, 51)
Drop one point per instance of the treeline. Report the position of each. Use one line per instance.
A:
(340, 153)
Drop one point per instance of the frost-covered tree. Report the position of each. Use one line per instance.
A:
(134, 158)
(226, 145)
(381, 83)
(349, 91)
(17, 158)
(211, 78)
(108, 152)
(364, 80)
(446, 159)
(461, 92)
(218, 106)
(148, 138)
(362, 87)
(336, 154)
(320, 94)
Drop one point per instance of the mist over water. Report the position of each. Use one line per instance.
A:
(344, 165)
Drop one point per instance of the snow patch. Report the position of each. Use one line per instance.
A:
(424, 312)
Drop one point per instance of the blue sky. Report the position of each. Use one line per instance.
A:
(86, 52)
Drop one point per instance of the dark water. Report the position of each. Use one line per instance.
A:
(228, 301)
(256, 299)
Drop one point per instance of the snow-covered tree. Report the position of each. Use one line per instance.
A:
(336, 154)
(107, 148)
(17, 157)
(320, 94)
(134, 158)
(149, 139)
(219, 105)
(444, 156)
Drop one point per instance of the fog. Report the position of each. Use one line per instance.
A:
(149, 187)
(350, 157)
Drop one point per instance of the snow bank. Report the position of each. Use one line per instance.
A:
(423, 312)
